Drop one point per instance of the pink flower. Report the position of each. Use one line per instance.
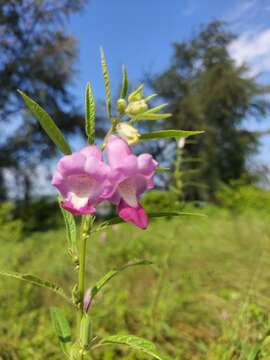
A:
(82, 179)
(132, 176)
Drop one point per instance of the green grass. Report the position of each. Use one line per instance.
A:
(206, 297)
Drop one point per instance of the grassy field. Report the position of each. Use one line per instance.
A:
(206, 297)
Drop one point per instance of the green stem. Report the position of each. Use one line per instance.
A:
(84, 236)
(83, 241)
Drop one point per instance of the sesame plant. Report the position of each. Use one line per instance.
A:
(87, 177)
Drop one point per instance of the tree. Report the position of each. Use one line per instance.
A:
(208, 91)
(36, 57)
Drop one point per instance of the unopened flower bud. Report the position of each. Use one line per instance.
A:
(87, 300)
(121, 105)
(136, 107)
(181, 143)
(128, 133)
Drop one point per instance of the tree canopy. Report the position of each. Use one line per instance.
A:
(207, 90)
(37, 56)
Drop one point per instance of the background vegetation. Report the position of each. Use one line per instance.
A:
(206, 297)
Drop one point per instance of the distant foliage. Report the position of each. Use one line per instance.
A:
(239, 198)
(158, 200)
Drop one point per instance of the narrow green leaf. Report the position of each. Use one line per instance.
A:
(135, 343)
(36, 281)
(107, 277)
(90, 114)
(71, 231)
(106, 82)
(162, 169)
(124, 88)
(61, 328)
(47, 124)
(163, 134)
(150, 116)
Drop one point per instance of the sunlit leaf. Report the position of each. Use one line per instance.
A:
(61, 328)
(135, 343)
(47, 123)
(106, 83)
(165, 134)
(90, 114)
(106, 278)
(32, 279)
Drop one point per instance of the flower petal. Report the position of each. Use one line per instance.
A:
(117, 150)
(91, 150)
(127, 191)
(96, 168)
(136, 216)
(71, 164)
(69, 206)
(146, 164)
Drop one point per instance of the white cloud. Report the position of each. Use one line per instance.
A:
(253, 48)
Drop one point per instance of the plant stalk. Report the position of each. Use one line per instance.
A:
(84, 236)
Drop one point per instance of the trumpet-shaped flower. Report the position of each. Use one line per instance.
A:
(82, 179)
(132, 176)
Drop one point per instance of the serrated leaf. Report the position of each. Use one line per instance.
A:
(90, 113)
(47, 124)
(165, 134)
(124, 88)
(61, 328)
(135, 343)
(106, 83)
(107, 277)
(71, 231)
(36, 281)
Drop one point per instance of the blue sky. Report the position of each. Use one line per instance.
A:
(139, 34)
